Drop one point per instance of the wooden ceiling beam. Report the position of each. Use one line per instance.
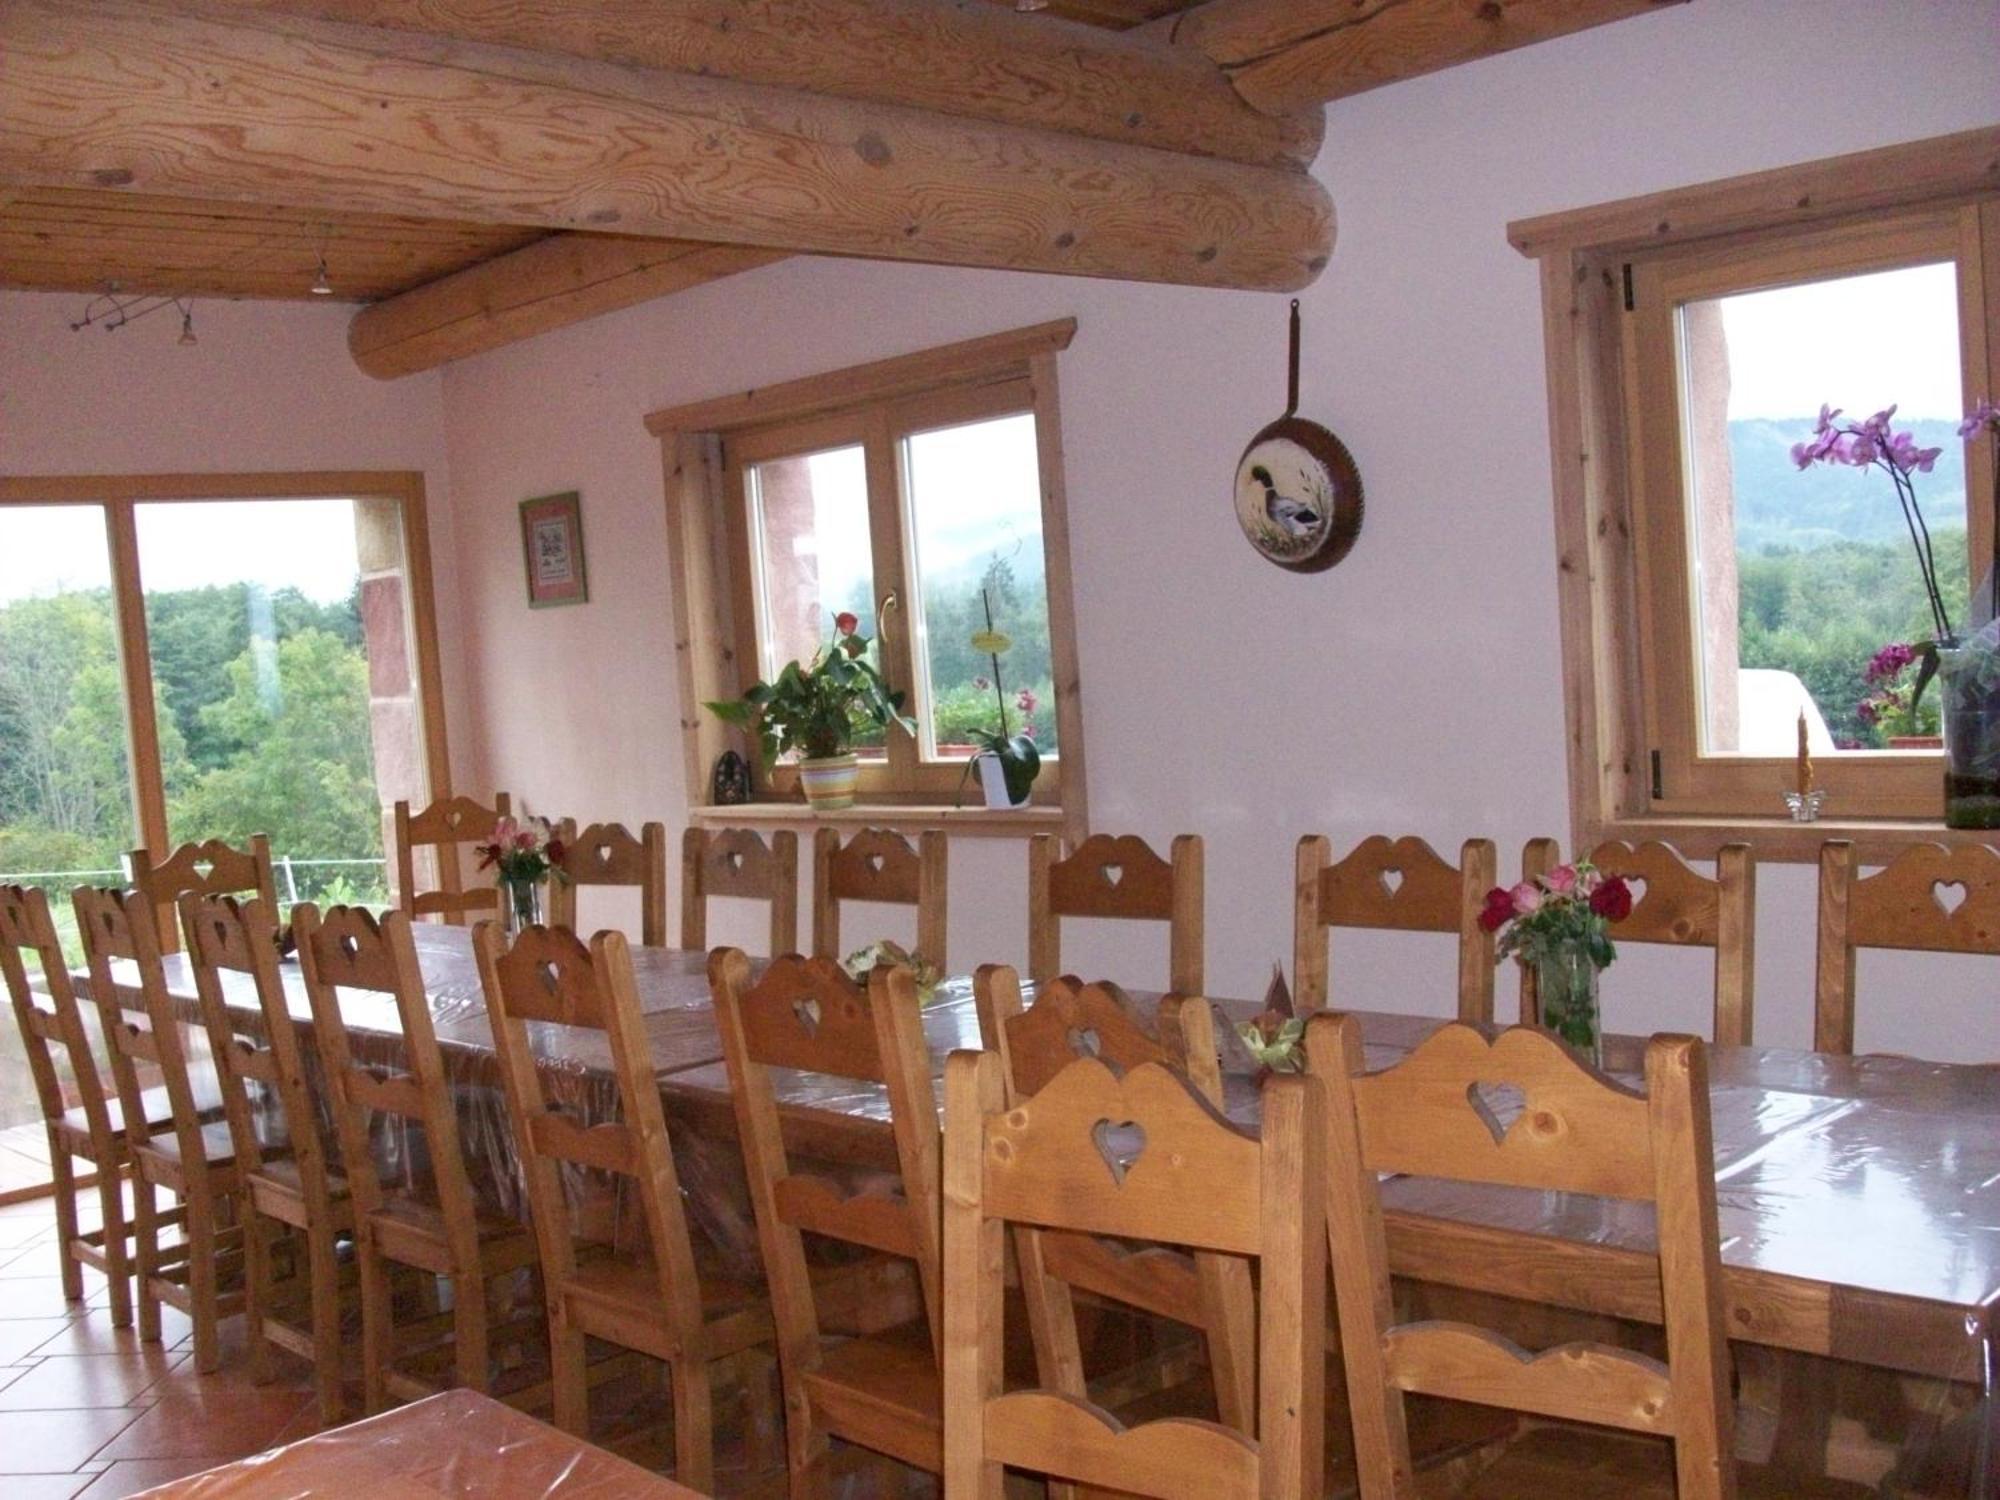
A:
(955, 57)
(236, 104)
(549, 284)
(1287, 55)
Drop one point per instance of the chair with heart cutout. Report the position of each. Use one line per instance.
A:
(1122, 879)
(878, 865)
(1138, 1156)
(1676, 905)
(1398, 885)
(1930, 898)
(436, 833)
(210, 868)
(736, 862)
(607, 854)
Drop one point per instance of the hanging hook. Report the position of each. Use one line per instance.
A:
(1292, 384)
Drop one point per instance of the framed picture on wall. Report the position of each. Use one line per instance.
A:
(552, 539)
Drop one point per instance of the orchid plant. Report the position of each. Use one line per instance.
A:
(1891, 705)
(523, 851)
(1020, 759)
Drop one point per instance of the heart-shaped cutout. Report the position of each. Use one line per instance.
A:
(1392, 880)
(1498, 1106)
(1084, 1041)
(452, 818)
(203, 868)
(733, 858)
(1636, 884)
(350, 945)
(605, 855)
(1949, 895)
(1120, 1143)
(550, 977)
(1112, 874)
(806, 1013)
(874, 862)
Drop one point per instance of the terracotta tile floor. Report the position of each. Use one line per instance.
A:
(88, 1410)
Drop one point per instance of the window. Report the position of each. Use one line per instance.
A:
(924, 496)
(1713, 591)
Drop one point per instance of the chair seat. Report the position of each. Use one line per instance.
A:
(885, 1393)
(159, 1111)
(411, 1231)
(618, 1298)
(277, 1185)
(1581, 1463)
(217, 1149)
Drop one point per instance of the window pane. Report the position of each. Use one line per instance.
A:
(809, 548)
(975, 502)
(280, 644)
(1802, 576)
(65, 786)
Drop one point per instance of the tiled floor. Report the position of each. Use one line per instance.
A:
(87, 1410)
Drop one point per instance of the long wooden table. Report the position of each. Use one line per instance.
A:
(1859, 1197)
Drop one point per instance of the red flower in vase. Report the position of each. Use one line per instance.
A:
(1612, 900)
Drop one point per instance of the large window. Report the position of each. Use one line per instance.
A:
(1715, 592)
(922, 496)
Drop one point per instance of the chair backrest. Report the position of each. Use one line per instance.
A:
(1143, 1156)
(1118, 878)
(608, 854)
(210, 868)
(1070, 1019)
(548, 976)
(253, 1046)
(349, 948)
(737, 862)
(1929, 898)
(1676, 905)
(444, 826)
(806, 1014)
(878, 865)
(1399, 885)
(141, 1029)
(1441, 1113)
(51, 1021)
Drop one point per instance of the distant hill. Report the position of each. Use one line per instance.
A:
(1779, 506)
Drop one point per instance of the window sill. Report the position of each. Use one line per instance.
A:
(1781, 841)
(975, 822)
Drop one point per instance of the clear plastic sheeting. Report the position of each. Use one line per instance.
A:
(457, 1446)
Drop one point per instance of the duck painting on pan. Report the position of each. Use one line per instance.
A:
(1298, 493)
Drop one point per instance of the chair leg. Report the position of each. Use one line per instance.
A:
(694, 1423)
(146, 1255)
(62, 1170)
(201, 1236)
(378, 1329)
(117, 1253)
(258, 1233)
(468, 1332)
(324, 1269)
(568, 1379)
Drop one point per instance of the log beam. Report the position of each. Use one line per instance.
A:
(1285, 55)
(234, 104)
(554, 282)
(955, 57)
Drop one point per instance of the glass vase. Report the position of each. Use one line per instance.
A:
(520, 904)
(1969, 678)
(1567, 984)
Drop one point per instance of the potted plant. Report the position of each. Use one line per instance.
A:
(1560, 923)
(1008, 763)
(524, 857)
(815, 710)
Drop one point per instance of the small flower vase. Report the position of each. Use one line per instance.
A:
(520, 903)
(1567, 984)
(993, 782)
(1969, 677)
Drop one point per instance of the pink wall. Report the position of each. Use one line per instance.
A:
(269, 386)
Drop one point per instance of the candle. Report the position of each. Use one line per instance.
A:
(1805, 759)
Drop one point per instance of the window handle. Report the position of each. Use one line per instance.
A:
(883, 607)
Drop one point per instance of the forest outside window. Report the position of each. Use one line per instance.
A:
(1715, 592)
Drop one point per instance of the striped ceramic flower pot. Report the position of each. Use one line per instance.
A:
(829, 780)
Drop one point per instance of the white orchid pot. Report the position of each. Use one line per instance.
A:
(993, 781)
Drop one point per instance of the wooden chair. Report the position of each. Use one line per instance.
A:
(607, 854)
(193, 1161)
(1929, 898)
(444, 826)
(877, 865)
(93, 1129)
(1211, 1292)
(1118, 878)
(439, 1232)
(1434, 1115)
(288, 1191)
(1401, 885)
(875, 1390)
(1677, 905)
(736, 862)
(651, 1300)
(211, 868)
(1062, 1159)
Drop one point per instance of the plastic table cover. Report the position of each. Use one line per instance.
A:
(1859, 1199)
(456, 1446)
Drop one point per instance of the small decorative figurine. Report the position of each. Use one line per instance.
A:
(730, 785)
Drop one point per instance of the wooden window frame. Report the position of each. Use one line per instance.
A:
(1616, 452)
(120, 495)
(707, 449)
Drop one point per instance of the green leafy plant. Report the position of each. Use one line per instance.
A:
(817, 708)
(1275, 1042)
(862, 961)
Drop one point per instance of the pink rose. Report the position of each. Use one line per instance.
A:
(1560, 881)
(1527, 898)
